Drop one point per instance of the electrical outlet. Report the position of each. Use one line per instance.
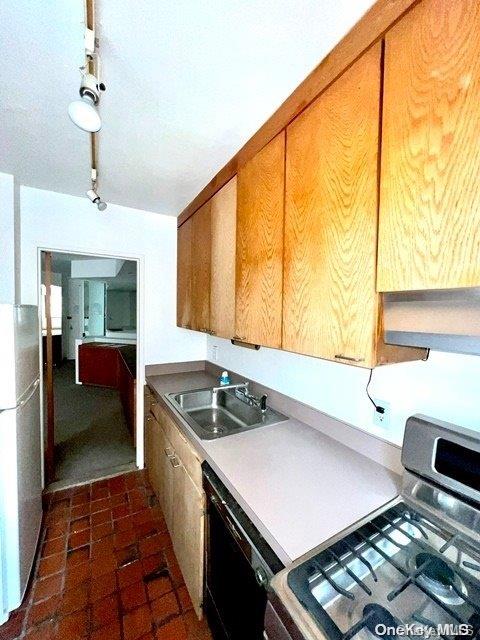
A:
(215, 353)
(382, 418)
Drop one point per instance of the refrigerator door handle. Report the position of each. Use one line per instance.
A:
(24, 400)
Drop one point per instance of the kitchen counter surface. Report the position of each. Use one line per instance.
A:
(298, 486)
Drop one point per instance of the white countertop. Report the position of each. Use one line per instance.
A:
(298, 486)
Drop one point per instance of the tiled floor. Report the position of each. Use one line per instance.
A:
(106, 570)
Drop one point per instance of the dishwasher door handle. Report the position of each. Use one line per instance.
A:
(222, 510)
(233, 529)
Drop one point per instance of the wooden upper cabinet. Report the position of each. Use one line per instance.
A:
(201, 267)
(330, 307)
(259, 253)
(429, 233)
(222, 283)
(184, 275)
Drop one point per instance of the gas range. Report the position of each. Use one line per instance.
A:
(410, 569)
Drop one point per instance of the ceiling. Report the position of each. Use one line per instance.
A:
(188, 82)
(125, 280)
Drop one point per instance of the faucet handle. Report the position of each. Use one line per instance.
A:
(263, 402)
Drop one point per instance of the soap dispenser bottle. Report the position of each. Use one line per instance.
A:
(224, 379)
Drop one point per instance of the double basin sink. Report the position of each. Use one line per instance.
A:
(217, 414)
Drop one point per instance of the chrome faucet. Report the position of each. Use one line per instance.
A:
(251, 400)
(242, 393)
(224, 387)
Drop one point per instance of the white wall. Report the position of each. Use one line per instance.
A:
(62, 222)
(447, 386)
(7, 239)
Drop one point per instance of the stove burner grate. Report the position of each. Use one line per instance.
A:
(449, 593)
(439, 578)
(375, 615)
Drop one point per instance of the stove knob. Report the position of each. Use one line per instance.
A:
(261, 577)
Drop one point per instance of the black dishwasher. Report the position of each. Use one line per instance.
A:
(239, 567)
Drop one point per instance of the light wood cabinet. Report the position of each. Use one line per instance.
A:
(201, 261)
(175, 473)
(206, 266)
(259, 246)
(165, 476)
(222, 284)
(148, 441)
(429, 233)
(330, 306)
(188, 533)
(184, 275)
(160, 471)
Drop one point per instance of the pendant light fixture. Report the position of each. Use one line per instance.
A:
(83, 112)
(92, 194)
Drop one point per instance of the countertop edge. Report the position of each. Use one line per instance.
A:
(205, 455)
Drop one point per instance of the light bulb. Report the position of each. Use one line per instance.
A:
(93, 196)
(84, 114)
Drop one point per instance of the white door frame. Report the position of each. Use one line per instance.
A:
(140, 376)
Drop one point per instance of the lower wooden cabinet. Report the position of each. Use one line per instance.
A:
(188, 533)
(175, 473)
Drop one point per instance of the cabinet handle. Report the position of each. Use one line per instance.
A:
(173, 460)
(340, 356)
(169, 455)
(242, 338)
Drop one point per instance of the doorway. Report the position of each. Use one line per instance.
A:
(89, 338)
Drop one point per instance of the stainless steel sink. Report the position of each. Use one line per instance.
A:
(222, 416)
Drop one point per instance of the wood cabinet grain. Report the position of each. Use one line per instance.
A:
(201, 267)
(188, 534)
(175, 473)
(429, 234)
(259, 246)
(330, 302)
(184, 275)
(222, 284)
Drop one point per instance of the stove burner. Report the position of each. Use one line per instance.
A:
(375, 615)
(436, 569)
(439, 578)
(215, 428)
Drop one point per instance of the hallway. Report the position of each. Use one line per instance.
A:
(91, 435)
(107, 570)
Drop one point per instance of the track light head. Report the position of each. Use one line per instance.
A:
(93, 196)
(83, 112)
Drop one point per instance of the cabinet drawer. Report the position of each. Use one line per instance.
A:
(188, 456)
(182, 447)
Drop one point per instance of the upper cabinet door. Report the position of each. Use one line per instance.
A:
(429, 234)
(330, 303)
(259, 259)
(184, 275)
(222, 292)
(201, 265)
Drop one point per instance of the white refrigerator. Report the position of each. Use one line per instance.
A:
(20, 451)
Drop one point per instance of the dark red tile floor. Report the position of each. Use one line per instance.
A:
(106, 570)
